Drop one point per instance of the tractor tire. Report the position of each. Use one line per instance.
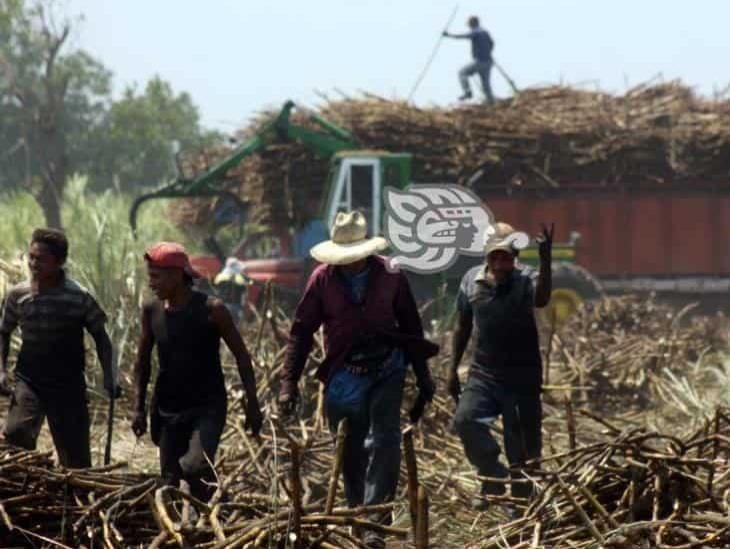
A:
(572, 286)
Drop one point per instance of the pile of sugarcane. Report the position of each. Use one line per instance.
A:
(280, 489)
(640, 489)
(632, 488)
(41, 504)
(614, 347)
(545, 137)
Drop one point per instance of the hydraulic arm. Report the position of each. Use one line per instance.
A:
(325, 141)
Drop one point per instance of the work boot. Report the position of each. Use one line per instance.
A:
(373, 540)
(480, 502)
(466, 96)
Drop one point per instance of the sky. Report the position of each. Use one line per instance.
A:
(238, 57)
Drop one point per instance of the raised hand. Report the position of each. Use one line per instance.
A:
(545, 242)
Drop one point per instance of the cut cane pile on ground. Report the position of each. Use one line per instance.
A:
(645, 465)
(652, 134)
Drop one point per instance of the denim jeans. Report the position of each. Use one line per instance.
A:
(481, 402)
(483, 69)
(371, 403)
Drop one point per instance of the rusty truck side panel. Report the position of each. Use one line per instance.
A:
(637, 232)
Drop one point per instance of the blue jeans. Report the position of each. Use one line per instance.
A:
(480, 404)
(483, 69)
(371, 403)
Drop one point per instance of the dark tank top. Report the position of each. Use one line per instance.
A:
(188, 348)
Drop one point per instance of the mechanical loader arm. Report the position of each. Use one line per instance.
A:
(324, 142)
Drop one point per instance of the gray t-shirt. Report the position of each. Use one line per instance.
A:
(507, 346)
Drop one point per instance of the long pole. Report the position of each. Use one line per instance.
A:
(432, 56)
(506, 77)
(110, 427)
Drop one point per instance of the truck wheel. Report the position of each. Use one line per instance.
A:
(572, 285)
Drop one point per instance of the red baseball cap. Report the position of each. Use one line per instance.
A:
(170, 255)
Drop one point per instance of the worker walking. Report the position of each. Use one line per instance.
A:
(188, 409)
(505, 376)
(372, 331)
(481, 51)
(52, 312)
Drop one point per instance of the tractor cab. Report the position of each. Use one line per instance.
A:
(357, 180)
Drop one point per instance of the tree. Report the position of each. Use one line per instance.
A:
(49, 100)
(135, 143)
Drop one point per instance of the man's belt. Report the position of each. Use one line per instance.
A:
(365, 359)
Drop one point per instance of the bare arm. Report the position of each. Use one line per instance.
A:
(460, 35)
(460, 339)
(4, 353)
(544, 285)
(104, 352)
(7, 327)
(143, 365)
(221, 317)
(224, 322)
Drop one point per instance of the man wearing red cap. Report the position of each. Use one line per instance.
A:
(188, 410)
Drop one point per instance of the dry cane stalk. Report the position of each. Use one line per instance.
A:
(296, 489)
(571, 422)
(336, 466)
(422, 519)
(412, 470)
(581, 512)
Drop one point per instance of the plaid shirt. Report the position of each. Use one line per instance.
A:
(51, 325)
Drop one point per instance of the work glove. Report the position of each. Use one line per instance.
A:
(453, 385)
(254, 417)
(139, 423)
(288, 399)
(545, 243)
(426, 391)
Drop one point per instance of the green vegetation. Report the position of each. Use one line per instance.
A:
(103, 256)
(58, 116)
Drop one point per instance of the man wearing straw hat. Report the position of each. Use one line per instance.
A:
(188, 410)
(372, 330)
(505, 376)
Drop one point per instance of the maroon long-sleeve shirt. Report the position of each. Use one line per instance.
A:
(388, 310)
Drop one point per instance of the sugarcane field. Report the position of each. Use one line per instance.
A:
(364, 275)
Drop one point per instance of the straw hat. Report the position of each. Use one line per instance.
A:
(349, 241)
(500, 239)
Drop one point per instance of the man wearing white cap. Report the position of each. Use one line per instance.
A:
(505, 375)
(372, 330)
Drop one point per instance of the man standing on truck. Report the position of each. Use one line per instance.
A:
(188, 410)
(481, 51)
(505, 377)
(52, 312)
(372, 330)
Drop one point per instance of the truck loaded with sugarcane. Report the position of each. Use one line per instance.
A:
(357, 180)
